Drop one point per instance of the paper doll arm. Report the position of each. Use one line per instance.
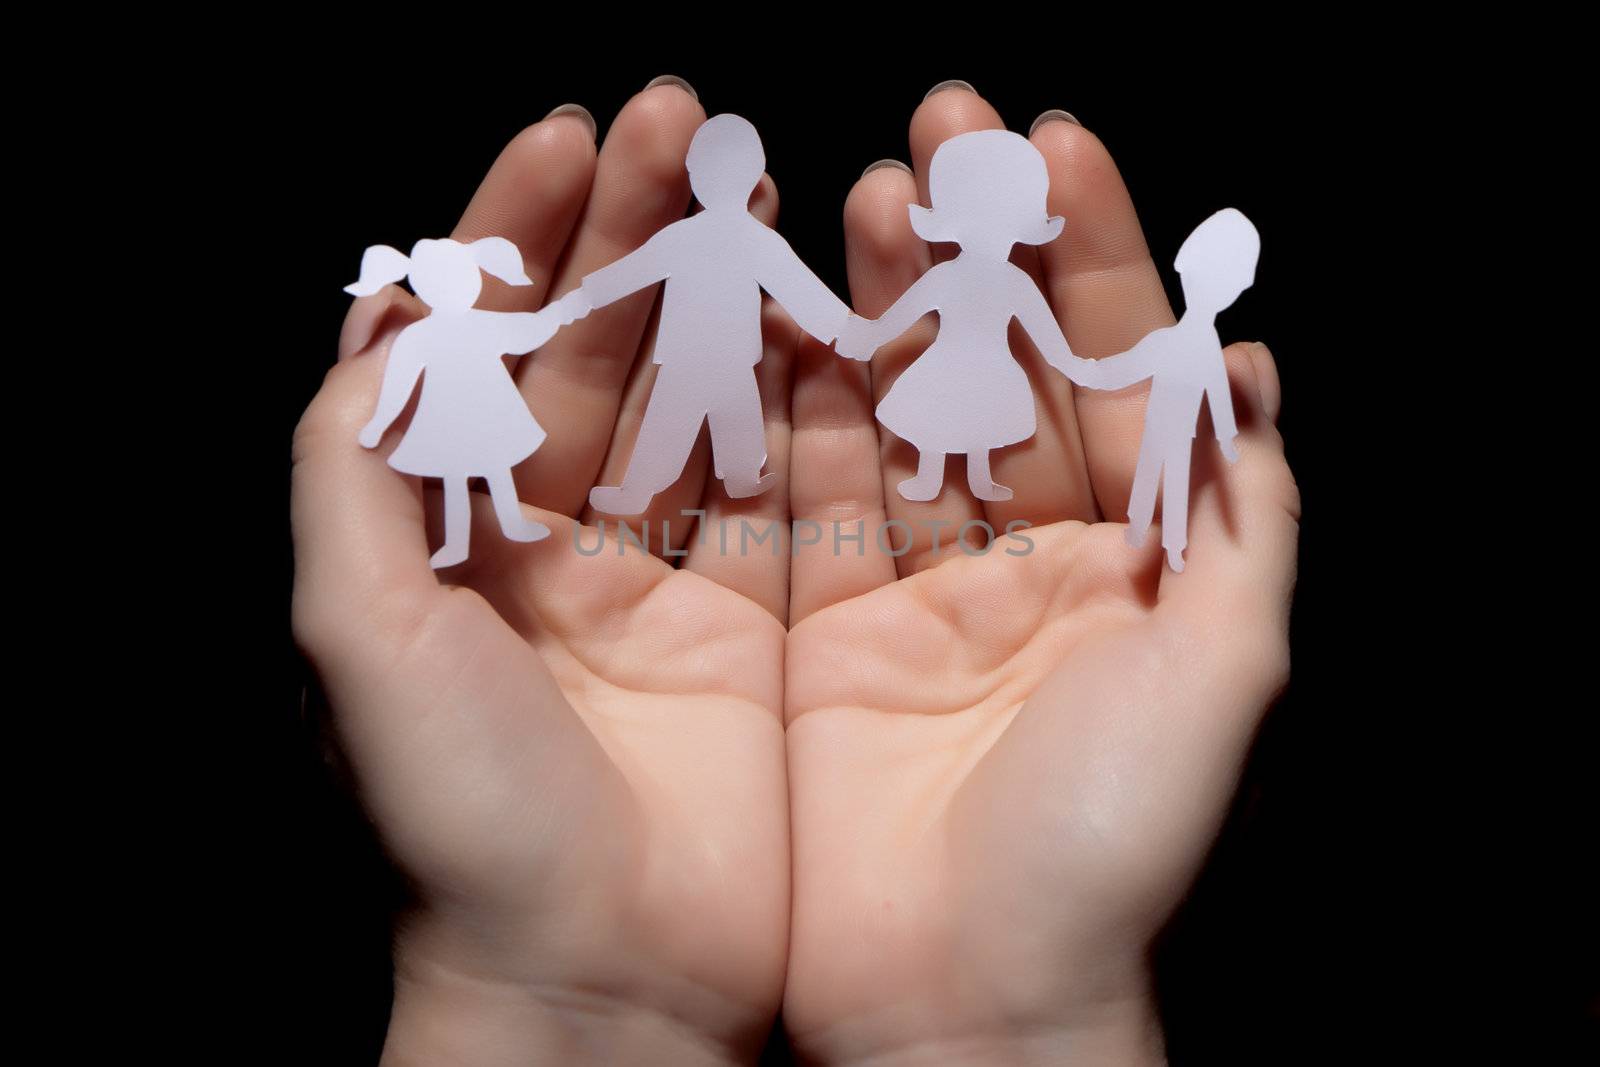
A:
(1220, 399)
(1130, 367)
(645, 265)
(1040, 324)
(572, 307)
(914, 303)
(399, 379)
(801, 293)
(523, 331)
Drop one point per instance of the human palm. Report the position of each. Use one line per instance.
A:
(1005, 769)
(576, 757)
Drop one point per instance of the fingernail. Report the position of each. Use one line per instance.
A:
(673, 79)
(1053, 115)
(577, 111)
(882, 163)
(953, 83)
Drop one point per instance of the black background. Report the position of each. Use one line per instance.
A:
(1318, 932)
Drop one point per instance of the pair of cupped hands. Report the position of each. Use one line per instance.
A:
(931, 806)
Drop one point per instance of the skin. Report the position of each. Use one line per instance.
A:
(996, 775)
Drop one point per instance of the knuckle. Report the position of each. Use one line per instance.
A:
(338, 409)
(314, 622)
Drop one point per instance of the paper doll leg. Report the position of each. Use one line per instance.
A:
(981, 481)
(666, 437)
(1175, 506)
(1146, 480)
(513, 523)
(739, 439)
(929, 477)
(457, 524)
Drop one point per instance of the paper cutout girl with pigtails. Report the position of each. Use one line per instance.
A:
(967, 393)
(1184, 364)
(470, 420)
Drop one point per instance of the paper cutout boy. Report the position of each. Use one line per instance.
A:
(715, 264)
(470, 420)
(1184, 364)
(967, 393)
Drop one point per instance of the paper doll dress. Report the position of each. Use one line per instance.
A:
(470, 421)
(967, 392)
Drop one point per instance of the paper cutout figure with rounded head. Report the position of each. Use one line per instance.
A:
(967, 393)
(1184, 364)
(715, 265)
(470, 420)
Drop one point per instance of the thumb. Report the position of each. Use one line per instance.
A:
(360, 546)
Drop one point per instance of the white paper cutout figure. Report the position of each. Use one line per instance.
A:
(1184, 364)
(470, 420)
(715, 264)
(967, 393)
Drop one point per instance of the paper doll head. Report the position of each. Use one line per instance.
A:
(725, 162)
(988, 193)
(1218, 261)
(443, 273)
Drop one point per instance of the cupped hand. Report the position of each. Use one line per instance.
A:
(576, 758)
(1006, 769)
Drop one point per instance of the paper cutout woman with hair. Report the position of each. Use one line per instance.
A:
(967, 393)
(1184, 364)
(470, 420)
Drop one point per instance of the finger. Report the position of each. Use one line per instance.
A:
(376, 318)
(1106, 294)
(883, 257)
(665, 513)
(532, 197)
(645, 527)
(1036, 463)
(1046, 472)
(744, 544)
(949, 109)
(835, 484)
(575, 383)
(360, 546)
(1243, 524)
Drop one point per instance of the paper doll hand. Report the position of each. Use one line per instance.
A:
(537, 328)
(574, 306)
(1008, 768)
(835, 325)
(855, 339)
(371, 435)
(1082, 372)
(1230, 451)
(565, 753)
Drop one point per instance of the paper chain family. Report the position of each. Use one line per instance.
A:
(966, 394)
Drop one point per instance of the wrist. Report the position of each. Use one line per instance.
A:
(473, 1024)
(1122, 1033)
(443, 1014)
